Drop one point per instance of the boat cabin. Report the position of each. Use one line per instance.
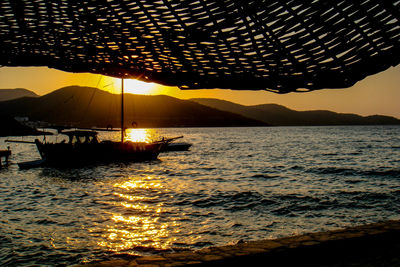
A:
(82, 137)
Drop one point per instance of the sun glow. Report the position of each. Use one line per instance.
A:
(138, 87)
(131, 86)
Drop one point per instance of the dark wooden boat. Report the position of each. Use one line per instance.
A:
(83, 147)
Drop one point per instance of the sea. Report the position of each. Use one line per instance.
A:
(233, 185)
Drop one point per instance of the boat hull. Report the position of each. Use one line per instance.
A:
(176, 147)
(80, 154)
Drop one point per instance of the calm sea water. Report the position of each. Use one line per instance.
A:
(234, 184)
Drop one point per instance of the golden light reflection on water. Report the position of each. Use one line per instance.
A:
(131, 198)
(139, 135)
(138, 224)
(142, 184)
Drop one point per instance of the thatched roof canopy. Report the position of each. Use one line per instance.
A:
(281, 46)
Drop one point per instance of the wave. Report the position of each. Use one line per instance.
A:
(286, 204)
(394, 173)
(329, 154)
(265, 176)
(332, 170)
(45, 222)
(297, 167)
(232, 201)
(148, 249)
(364, 195)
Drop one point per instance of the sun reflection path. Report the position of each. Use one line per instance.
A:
(147, 183)
(137, 224)
(140, 135)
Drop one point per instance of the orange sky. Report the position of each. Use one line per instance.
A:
(377, 94)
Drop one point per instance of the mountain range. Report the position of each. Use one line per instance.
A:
(91, 107)
(9, 94)
(278, 115)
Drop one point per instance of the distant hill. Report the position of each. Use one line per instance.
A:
(9, 94)
(88, 107)
(278, 115)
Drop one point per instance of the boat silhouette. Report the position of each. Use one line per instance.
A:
(84, 147)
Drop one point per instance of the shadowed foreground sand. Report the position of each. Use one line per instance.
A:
(369, 245)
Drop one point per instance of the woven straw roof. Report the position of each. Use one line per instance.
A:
(280, 46)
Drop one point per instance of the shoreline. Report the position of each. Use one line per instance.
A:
(376, 244)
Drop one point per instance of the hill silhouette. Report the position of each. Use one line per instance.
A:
(9, 94)
(91, 107)
(88, 107)
(278, 115)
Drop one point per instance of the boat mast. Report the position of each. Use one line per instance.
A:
(122, 110)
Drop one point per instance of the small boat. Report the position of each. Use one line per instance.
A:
(176, 147)
(169, 145)
(83, 147)
(31, 164)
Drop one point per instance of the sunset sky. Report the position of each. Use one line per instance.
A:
(377, 94)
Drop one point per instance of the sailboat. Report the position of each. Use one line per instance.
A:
(83, 147)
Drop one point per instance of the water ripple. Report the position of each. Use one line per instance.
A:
(235, 184)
